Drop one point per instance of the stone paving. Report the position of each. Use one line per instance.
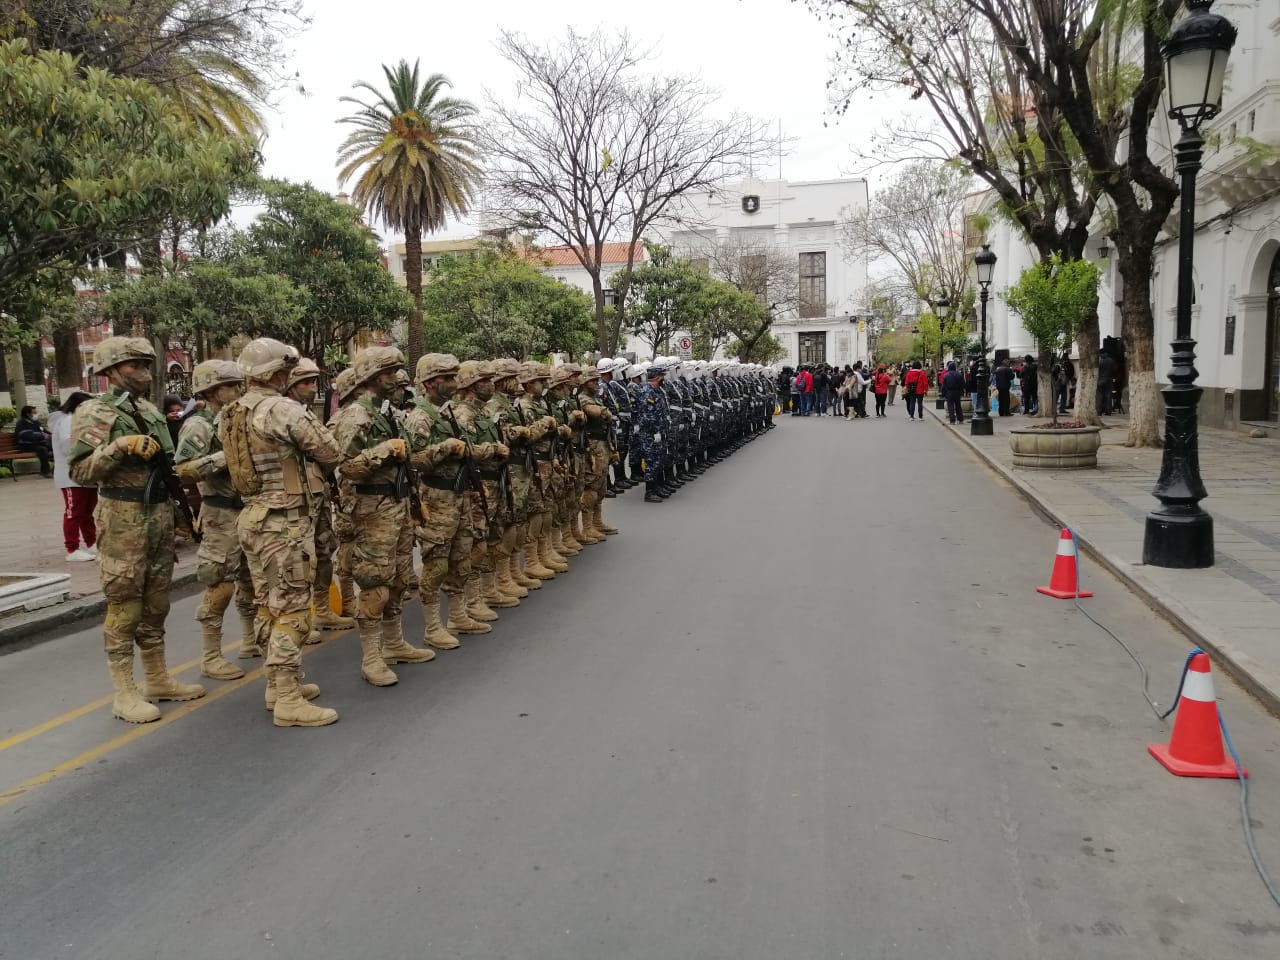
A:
(1232, 609)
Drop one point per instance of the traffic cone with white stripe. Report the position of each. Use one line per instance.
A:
(1064, 583)
(1195, 749)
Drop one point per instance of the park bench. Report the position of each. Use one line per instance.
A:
(9, 452)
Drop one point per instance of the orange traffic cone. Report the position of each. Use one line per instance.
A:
(1195, 749)
(1064, 583)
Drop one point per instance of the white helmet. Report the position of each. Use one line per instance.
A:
(605, 365)
(621, 364)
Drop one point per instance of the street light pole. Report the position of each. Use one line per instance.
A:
(943, 309)
(981, 426)
(1179, 533)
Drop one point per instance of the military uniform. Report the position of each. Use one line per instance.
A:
(271, 437)
(540, 559)
(445, 539)
(570, 421)
(651, 429)
(135, 537)
(599, 455)
(374, 460)
(220, 563)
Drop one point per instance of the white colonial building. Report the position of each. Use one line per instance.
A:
(1236, 316)
(796, 225)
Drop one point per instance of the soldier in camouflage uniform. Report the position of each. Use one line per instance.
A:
(520, 433)
(491, 514)
(109, 450)
(220, 563)
(564, 408)
(374, 457)
(268, 439)
(598, 457)
(436, 454)
(344, 385)
(541, 562)
(301, 387)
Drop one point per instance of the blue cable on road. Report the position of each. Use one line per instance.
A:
(1226, 734)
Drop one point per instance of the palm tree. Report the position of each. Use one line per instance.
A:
(415, 151)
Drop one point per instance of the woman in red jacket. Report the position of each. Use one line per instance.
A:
(917, 387)
(881, 386)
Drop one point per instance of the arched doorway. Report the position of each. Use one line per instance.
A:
(1272, 382)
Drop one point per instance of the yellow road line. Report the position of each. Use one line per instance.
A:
(129, 736)
(79, 712)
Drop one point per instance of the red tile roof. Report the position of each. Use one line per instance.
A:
(611, 253)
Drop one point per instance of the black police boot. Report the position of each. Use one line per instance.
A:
(651, 494)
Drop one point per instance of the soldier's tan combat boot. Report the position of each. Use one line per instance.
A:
(534, 571)
(128, 705)
(520, 563)
(347, 587)
(459, 620)
(597, 521)
(372, 667)
(566, 544)
(212, 663)
(309, 690)
(158, 685)
(582, 531)
(291, 707)
(548, 556)
(509, 578)
(396, 649)
(249, 638)
(492, 591)
(477, 609)
(435, 635)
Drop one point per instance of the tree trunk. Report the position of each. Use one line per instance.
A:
(1087, 344)
(67, 362)
(33, 369)
(1138, 328)
(17, 385)
(415, 341)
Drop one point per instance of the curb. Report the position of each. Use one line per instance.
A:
(40, 625)
(1234, 662)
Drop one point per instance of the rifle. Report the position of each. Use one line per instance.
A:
(162, 473)
(406, 476)
(504, 472)
(469, 467)
(528, 449)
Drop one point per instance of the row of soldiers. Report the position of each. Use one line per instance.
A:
(677, 418)
(498, 470)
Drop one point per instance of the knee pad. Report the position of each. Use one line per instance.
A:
(215, 600)
(371, 602)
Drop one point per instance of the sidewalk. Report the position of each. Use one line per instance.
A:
(31, 516)
(1232, 610)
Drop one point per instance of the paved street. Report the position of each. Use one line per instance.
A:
(811, 707)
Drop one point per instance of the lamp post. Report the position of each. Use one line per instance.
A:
(1178, 533)
(941, 309)
(984, 262)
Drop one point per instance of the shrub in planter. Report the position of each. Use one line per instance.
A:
(1065, 444)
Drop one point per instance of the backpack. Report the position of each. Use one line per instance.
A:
(235, 442)
(798, 383)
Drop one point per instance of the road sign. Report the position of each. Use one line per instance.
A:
(685, 347)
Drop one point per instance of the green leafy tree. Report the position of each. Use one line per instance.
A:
(765, 349)
(1054, 299)
(333, 259)
(494, 303)
(90, 162)
(414, 150)
(663, 296)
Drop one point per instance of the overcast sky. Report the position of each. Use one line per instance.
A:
(769, 58)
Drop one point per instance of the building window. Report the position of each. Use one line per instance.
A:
(813, 347)
(813, 285)
(610, 297)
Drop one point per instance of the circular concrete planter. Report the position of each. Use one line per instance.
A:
(966, 406)
(1074, 448)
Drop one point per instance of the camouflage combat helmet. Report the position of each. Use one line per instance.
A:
(565, 373)
(345, 383)
(214, 373)
(588, 374)
(435, 365)
(532, 370)
(304, 369)
(505, 368)
(372, 361)
(117, 350)
(472, 371)
(402, 379)
(263, 358)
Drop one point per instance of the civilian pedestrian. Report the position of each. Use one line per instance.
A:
(31, 437)
(880, 385)
(1004, 382)
(953, 388)
(1030, 377)
(917, 387)
(78, 502)
(1106, 375)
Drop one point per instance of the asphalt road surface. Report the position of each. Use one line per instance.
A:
(811, 707)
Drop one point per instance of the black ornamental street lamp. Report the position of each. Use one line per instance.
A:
(941, 309)
(1178, 532)
(981, 426)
